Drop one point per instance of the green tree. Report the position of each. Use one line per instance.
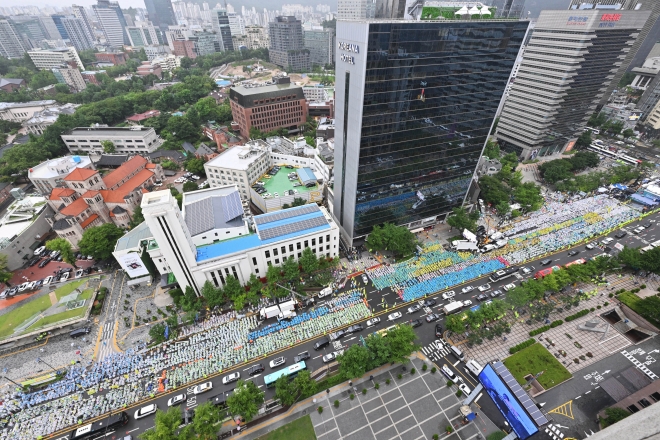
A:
(503, 208)
(378, 348)
(401, 341)
(396, 239)
(190, 186)
(614, 415)
(493, 190)
(285, 391)
(137, 218)
(182, 129)
(455, 323)
(355, 361)
(5, 275)
(190, 302)
(100, 241)
(273, 274)
(290, 269)
(108, 147)
(157, 333)
(308, 261)
(255, 133)
(254, 284)
(62, 245)
(298, 201)
(166, 426)
(214, 296)
(245, 400)
(626, 79)
(461, 219)
(492, 150)
(186, 63)
(207, 415)
(518, 297)
(304, 384)
(195, 165)
(628, 133)
(584, 140)
(510, 159)
(41, 79)
(529, 196)
(630, 257)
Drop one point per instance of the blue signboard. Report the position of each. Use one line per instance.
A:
(506, 402)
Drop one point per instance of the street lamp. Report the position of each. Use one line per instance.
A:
(41, 360)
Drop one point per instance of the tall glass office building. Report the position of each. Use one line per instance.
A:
(415, 101)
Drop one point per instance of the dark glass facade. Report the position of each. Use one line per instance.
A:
(430, 97)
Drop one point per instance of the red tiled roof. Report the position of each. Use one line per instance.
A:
(127, 168)
(112, 214)
(145, 190)
(151, 166)
(89, 220)
(90, 194)
(80, 174)
(56, 193)
(75, 208)
(142, 116)
(117, 195)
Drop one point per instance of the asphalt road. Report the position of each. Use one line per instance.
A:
(425, 334)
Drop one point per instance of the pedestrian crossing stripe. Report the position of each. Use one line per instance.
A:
(565, 410)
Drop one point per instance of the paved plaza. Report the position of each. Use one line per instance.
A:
(415, 407)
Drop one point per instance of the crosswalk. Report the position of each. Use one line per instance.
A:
(105, 342)
(435, 351)
(640, 365)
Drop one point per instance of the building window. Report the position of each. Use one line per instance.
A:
(275, 251)
(313, 241)
(277, 261)
(306, 244)
(267, 254)
(269, 263)
(327, 237)
(327, 247)
(298, 255)
(233, 270)
(291, 247)
(298, 246)
(321, 239)
(254, 261)
(283, 250)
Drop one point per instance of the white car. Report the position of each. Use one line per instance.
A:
(509, 287)
(373, 321)
(447, 372)
(394, 316)
(194, 177)
(202, 388)
(277, 362)
(48, 279)
(330, 357)
(39, 250)
(484, 287)
(79, 273)
(64, 277)
(608, 240)
(526, 270)
(233, 377)
(158, 185)
(179, 398)
(23, 286)
(145, 411)
(365, 280)
(465, 389)
(590, 246)
(31, 285)
(180, 180)
(467, 302)
(448, 295)
(467, 289)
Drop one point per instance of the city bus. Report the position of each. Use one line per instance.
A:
(103, 427)
(503, 274)
(604, 151)
(545, 272)
(291, 371)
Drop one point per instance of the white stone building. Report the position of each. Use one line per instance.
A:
(127, 140)
(50, 174)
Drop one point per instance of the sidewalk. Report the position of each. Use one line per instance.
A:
(416, 405)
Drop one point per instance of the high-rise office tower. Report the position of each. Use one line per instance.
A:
(623, 5)
(222, 30)
(321, 45)
(287, 44)
(112, 22)
(77, 33)
(508, 8)
(415, 102)
(356, 9)
(10, 43)
(568, 65)
(161, 13)
(145, 34)
(81, 13)
(57, 19)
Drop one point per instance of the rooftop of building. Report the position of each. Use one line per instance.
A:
(142, 116)
(57, 167)
(80, 174)
(250, 90)
(52, 113)
(16, 81)
(239, 157)
(214, 208)
(8, 105)
(271, 228)
(279, 183)
(111, 160)
(119, 194)
(109, 131)
(20, 215)
(132, 238)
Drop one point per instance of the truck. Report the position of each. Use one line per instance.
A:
(286, 315)
(466, 246)
(452, 307)
(272, 311)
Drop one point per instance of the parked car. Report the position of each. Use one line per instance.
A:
(509, 286)
(482, 297)
(179, 398)
(546, 262)
(429, 302)
(373, 321)
(448, 295)
(44, 262)
(620, 234)
(484, 287)
(447, 372)
(467, 303)
(23, 286)
(495, 293)
(330, 357)
(416, 323)
(465, 389)
(256, 369)
(281, 360)
(590, 246)
(48, 279)
(354, 328)
(335, 336)
(438, 331)
(146, 411)
(467, 289)
(414, 308)
(202, 388)
(394, 316)
(301, 357)
(39, 250)
(432, 317)
(233, 377)
(573, 253)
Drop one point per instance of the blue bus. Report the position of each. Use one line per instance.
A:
(291, 371)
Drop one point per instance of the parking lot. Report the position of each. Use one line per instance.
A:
(417, 406)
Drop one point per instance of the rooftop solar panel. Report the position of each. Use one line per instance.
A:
(278, 231)
(231, 205)
(520, 394)
(285, 213)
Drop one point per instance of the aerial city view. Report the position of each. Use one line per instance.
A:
(362, 219)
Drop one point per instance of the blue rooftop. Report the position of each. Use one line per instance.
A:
(272, 227)
(306, 175)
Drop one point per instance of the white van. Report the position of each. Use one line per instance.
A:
(457, 352)
(474, 367)
(325, 292)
